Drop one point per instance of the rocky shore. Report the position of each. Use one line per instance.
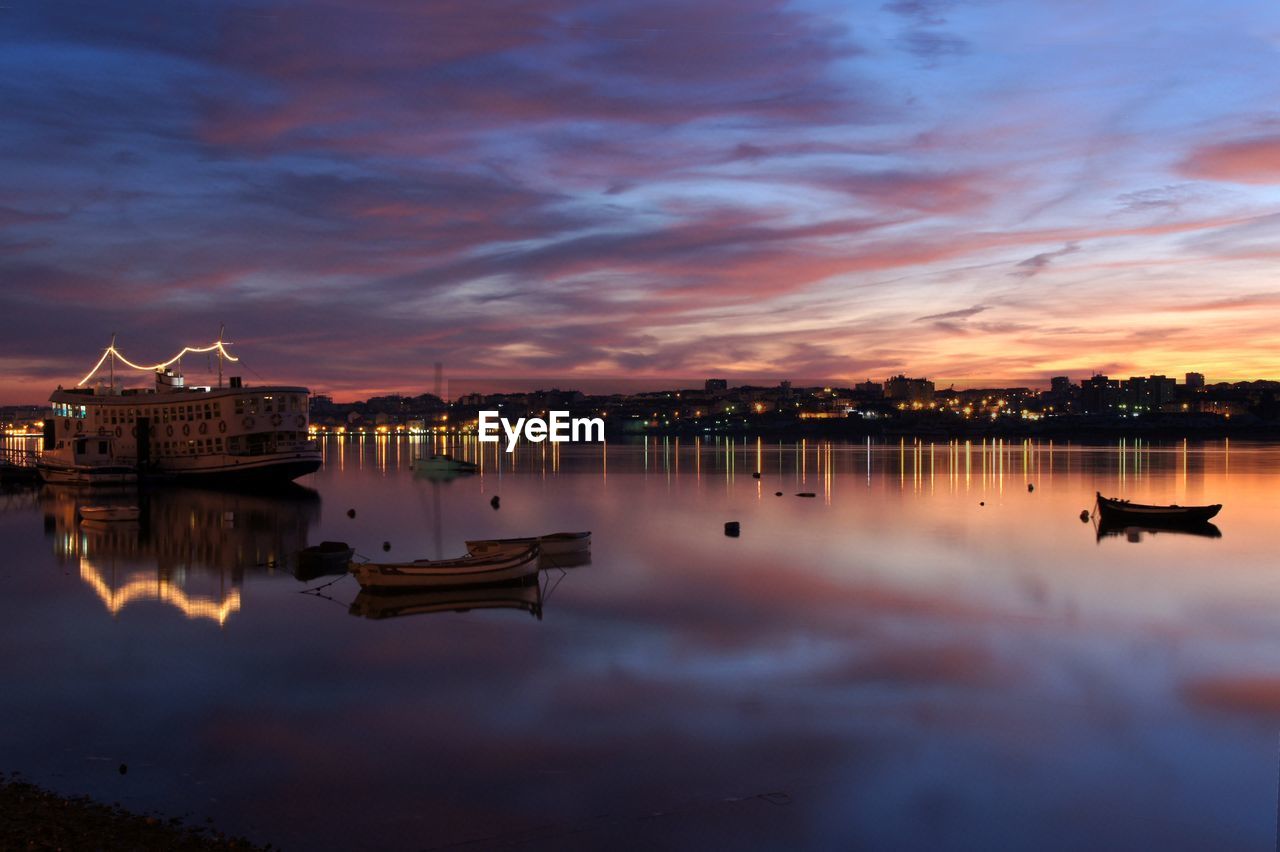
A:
(34, 818)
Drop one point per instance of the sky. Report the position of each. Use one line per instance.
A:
(622, 194)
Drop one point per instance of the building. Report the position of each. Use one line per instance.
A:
(1100, 395)
(716, 385)
(911, 391)
(1195, 381)
(1148, 393)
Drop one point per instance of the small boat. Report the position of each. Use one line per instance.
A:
(523, 595)
(443, 463)
(1120, 511)
(323, 559)
(109, 513)
(502, 565)
(555, 544)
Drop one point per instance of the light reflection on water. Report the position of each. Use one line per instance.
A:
(927, 655)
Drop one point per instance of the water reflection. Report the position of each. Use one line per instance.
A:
(1134, 533)
(920, 652)
(190, 549)
(522, 596)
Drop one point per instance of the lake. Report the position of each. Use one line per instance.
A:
(925, 654)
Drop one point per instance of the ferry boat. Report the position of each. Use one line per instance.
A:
(236, 433)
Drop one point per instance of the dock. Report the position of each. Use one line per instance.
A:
(18, 464)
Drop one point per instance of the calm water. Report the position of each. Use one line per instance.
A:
(890, 664)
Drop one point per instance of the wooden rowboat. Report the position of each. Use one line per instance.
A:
(1122, 511)
(555, 544)
(500, 566)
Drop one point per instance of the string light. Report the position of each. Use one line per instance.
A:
(218, 346)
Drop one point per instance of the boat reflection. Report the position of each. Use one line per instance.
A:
(526, 596)
(190, 549)
(1134, 533)
(564, 560)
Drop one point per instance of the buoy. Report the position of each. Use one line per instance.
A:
(1030, 487)
(806, 494)
(755, 475)
(495, 501)
(1084, 516)
(351, 513)
(124, 769)
(731, 529)
(777, 494)
(386, 545)
(982, 502)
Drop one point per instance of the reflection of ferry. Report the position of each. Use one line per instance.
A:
(525, 596)
(207, 433)
(190, 549)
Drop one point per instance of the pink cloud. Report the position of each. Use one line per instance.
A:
(1255, 161)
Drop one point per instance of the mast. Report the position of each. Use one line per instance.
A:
(111, 350)
(222, 327)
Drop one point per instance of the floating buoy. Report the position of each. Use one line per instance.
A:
(982, 502)
(777, 494)
(1084, 516)
(806, 494)
(1030, 487)
(495, 501)
(755, 475)
(124, 769)
(731, 529)
(386, 545)
(351, 513)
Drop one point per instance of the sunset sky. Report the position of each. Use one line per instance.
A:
(583, 193)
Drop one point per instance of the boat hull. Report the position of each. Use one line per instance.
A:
(251, 473)
(82, 475)
(503, 567)
(555, 544)
(1120, 512)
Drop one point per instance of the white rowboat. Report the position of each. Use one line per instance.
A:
(555, 544)
(500, 566)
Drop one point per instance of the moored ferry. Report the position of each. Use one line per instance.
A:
(206, 433)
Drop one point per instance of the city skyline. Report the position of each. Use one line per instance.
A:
(588, 192)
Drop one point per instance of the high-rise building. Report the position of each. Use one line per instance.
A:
(1100, 394)
(1148, 393)
(1195, 381)
(901, 389)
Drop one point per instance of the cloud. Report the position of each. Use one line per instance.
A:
(1247, 161)
(1036, 264)
(963, 313)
